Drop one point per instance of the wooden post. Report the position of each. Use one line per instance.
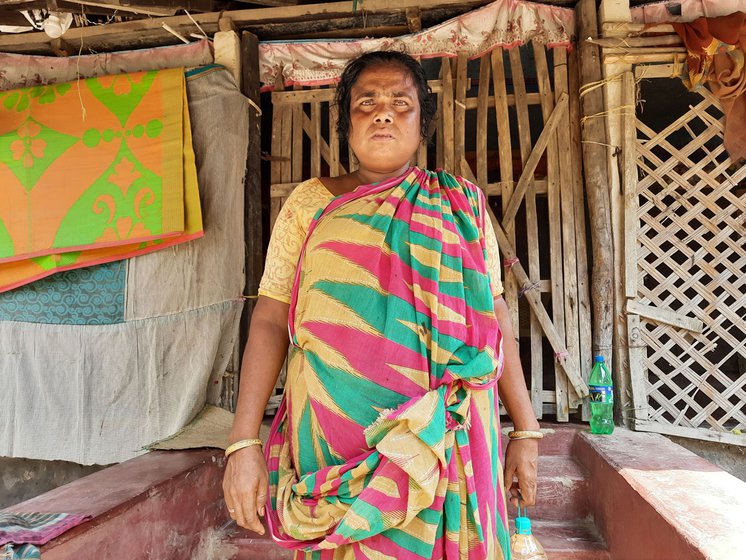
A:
(252, 181)
(615, 16)
(593, 130)
(584, 304)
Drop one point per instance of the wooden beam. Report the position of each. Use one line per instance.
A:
(62, 6)
(271, 2)
(629, 184)
(684, 431)
(625, 29)
(635, 42)
(528, 171)
(114, 5)
(262, 21)
(595, 154)
(534, 300)
(665, 316)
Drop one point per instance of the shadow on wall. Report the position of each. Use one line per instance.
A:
(23, 479)
(730, 458)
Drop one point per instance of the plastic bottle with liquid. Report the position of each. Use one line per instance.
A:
(601, 398)
(523, 544)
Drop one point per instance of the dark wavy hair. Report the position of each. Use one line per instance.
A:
(356, 66)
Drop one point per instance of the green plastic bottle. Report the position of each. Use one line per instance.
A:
(601, 398)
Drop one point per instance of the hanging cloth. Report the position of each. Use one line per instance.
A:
(93, 171)
(716, 51)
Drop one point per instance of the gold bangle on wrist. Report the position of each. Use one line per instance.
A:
(240, 444)
(525, 434)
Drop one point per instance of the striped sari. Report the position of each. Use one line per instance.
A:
(387, 442)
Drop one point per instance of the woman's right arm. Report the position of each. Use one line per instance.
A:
(246, 480)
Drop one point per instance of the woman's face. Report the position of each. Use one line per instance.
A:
(384, 119)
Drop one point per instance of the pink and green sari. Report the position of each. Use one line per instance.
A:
(387, 442)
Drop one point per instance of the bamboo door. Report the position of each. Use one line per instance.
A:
(507, 121)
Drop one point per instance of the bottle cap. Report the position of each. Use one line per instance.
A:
(523, 525)
(599, 358)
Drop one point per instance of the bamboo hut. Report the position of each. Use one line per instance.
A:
(619, 213)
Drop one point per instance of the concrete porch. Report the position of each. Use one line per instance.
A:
(629, 496)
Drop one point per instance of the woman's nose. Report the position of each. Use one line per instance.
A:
(383, 115)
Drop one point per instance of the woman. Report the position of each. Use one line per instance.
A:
(387, 441)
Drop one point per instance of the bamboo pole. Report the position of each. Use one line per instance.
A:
(594, 135)
(502, 118)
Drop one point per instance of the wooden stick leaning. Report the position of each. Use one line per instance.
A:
(528, 171)
(568, 364)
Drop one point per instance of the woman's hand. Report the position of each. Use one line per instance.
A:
(521, 463)
(245, 486)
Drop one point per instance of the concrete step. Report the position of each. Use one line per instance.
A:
(562, 540)
(655, 500)
(154, 506)
(250, 546)
(562, 492)
(570, 540)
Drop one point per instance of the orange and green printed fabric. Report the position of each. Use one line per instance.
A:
(93, 171)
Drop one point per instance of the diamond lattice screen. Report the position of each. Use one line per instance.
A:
(692, 260)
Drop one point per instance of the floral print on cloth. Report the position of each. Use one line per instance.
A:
(503, 23)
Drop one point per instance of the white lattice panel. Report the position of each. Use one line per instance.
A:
(691, 251)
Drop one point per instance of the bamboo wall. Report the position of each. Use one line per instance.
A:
(509, 122)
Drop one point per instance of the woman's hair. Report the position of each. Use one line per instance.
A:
(356, 66)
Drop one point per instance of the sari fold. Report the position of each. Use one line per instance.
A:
(387, 440)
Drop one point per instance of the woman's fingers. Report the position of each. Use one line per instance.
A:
(527, 486)
(250, 518)
(261, 501)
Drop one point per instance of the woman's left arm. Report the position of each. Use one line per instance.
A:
(521, 455)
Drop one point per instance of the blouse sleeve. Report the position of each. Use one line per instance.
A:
(287, 238)
(493, 258)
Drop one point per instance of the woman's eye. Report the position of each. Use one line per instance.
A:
(366, 102)
(400, 102)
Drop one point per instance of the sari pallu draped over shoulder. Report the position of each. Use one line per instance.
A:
(386, 444)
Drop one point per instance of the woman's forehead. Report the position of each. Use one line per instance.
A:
(391, 78)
